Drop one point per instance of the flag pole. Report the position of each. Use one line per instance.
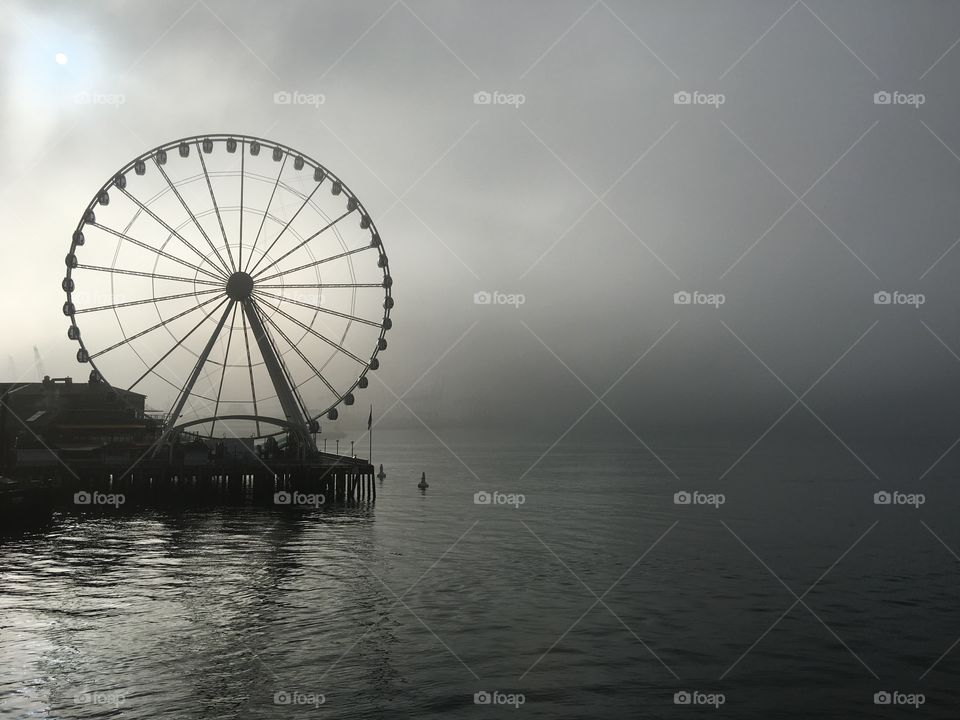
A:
(370, 433)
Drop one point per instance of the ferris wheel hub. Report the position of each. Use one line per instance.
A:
(240, 286)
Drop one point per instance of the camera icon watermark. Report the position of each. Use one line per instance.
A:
(96, 98)
(299, 499)
(695, 97)
(514, 500)
(695, 497)
(895, 697)
(496, 697)
(83, 497)
(495, 297)
(896, 297)
(697, 697)
(483, 97)
(695, 297)
(896, 97)
(295, 97)
(293, 697)
(895, 497)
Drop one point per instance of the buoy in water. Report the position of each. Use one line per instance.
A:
(423, 481)
(381, 475)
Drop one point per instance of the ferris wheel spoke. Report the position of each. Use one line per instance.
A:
(131, 303)
(192, 216)
(156, 276)
(223, 373)
(173, 232)
(289, 222)
(290, 388)
(216, 208)
(243, 155)
(302, 243)
(302, 355)
(154, 250)
(266, 212)
(320, 286)
(198, 368)
(313, 332)
(318, 262)
(175, 346)
(140, 334)
(322, 309)
(253, 389)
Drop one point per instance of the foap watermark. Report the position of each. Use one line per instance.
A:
(698, 697)
(98, 498)
(497, 697)
(896, 97)
(695, 297)
(299, 499)
(514, 500)
(896, 297)
(695, 497)
(485, 297)
(895, 697)
(895, 497)
(294, 697)
(112, 698)
(695, 97)
(482, 97)
(97, 98)
(295, 97)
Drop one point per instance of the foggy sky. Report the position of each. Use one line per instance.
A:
(472, 197)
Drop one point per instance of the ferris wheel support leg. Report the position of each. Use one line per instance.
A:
(197, 369)
(291, 409)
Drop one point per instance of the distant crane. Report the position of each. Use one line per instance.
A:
(38, 363)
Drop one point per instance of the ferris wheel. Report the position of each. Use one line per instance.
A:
(237, 283)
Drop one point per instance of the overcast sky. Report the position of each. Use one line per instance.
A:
(787, 189)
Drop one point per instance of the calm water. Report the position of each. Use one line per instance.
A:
(410, 608)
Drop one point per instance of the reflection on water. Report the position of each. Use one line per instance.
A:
(409, 608)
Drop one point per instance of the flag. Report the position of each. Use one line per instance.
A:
(370, 420)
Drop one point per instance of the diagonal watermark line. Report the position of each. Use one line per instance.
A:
(799, 198)
(798, 399)
(421, 621)
(598, 399)
(940, 340)
(599, 599)
(239, 39)
(559, 39)
(799, 600)
(937, 461)
(937, 261)
(957, 558)
(428, 428)
(940, 140)
(439, 39)
(639, 39)
(429, 169)
(357, 41)
(422, 376)
(395, 603)
(757, 41)
(847, 47)
(159, 38)
(600, 199)
(937, 61)
(399, 198)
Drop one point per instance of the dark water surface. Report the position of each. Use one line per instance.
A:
(598, 597)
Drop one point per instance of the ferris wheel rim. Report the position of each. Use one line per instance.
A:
(216, 275)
